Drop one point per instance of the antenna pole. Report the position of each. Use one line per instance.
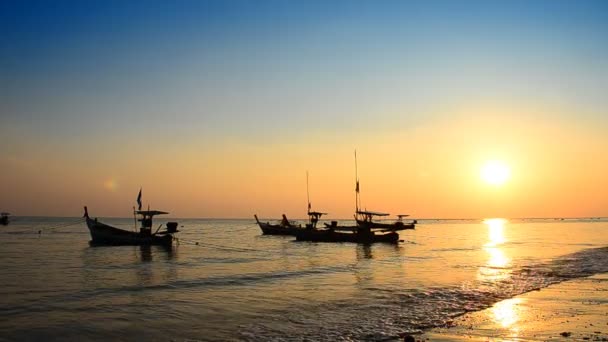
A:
(307, 193)
(357, 199)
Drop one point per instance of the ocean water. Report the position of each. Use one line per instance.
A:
(237, 285)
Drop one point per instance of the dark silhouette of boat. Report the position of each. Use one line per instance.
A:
(366, 231)
(103, 234)
(4, 218)
(284, 227)
(365, 219)
(341, 234)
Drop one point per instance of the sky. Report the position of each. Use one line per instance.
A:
(219, 108)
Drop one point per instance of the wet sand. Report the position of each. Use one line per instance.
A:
(574, 310)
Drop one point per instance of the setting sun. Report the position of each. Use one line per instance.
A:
(495, 172)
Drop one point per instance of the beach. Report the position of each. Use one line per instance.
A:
(574, 310)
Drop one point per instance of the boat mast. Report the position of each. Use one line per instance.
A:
(357, 195)
(307, 193)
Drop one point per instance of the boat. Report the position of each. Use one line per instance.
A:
(364, 218)
(366, 231)
(284, 227)
(340, 234)
(4, 218)
(103, 234)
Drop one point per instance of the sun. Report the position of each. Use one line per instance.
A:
(495, 172)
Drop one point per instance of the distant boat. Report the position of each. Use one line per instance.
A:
(103, 234)
(366, 231)
(284, 227)
(365, 219)
(341, 234)
(4, 218)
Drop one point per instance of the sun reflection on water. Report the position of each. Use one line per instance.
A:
(506, 313)
(496, 267)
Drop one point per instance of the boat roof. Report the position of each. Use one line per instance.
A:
(151, 212)
(316, 213)
(373, 213)
(4, 214)
(403, 215)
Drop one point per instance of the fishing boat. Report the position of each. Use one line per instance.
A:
(284, 227)
(357, 234)
(4, 218)
(353, 234)
(103, 234)
(364, 218)
(366, 230)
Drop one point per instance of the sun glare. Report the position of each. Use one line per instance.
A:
(495, 172)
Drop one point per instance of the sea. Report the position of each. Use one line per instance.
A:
(224, 281)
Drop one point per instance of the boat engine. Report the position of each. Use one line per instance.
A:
(172, 227)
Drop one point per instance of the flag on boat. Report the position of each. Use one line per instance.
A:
(357, 188)
(139, 200)
(309, 206)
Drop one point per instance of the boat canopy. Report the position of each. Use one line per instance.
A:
(150, 212)
(371, 213)
(402, 215)
(316, 213)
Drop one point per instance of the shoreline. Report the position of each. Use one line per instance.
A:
(574, 310)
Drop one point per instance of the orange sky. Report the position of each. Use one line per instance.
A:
(431, 170)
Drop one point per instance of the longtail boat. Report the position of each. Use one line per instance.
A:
(364, 218)
(103, 234)
(284, 227)
(366, 231)
(358, 235)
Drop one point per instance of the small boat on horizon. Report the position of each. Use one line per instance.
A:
(364, 218)
(366, 231)
(103, 234)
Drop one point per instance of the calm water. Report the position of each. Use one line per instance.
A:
(239, 285)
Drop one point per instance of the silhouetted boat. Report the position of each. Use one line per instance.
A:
(4, 218)
(284, 227)
(365, 219)
(357, 234)
(341, 234)
(103, 234)
(366, 231)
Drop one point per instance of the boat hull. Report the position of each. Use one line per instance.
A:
(387, 226)
(275, 229)
(329, 235)
(102, 234)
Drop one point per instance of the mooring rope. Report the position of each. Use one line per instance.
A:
(226, 248)
(63, 225)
